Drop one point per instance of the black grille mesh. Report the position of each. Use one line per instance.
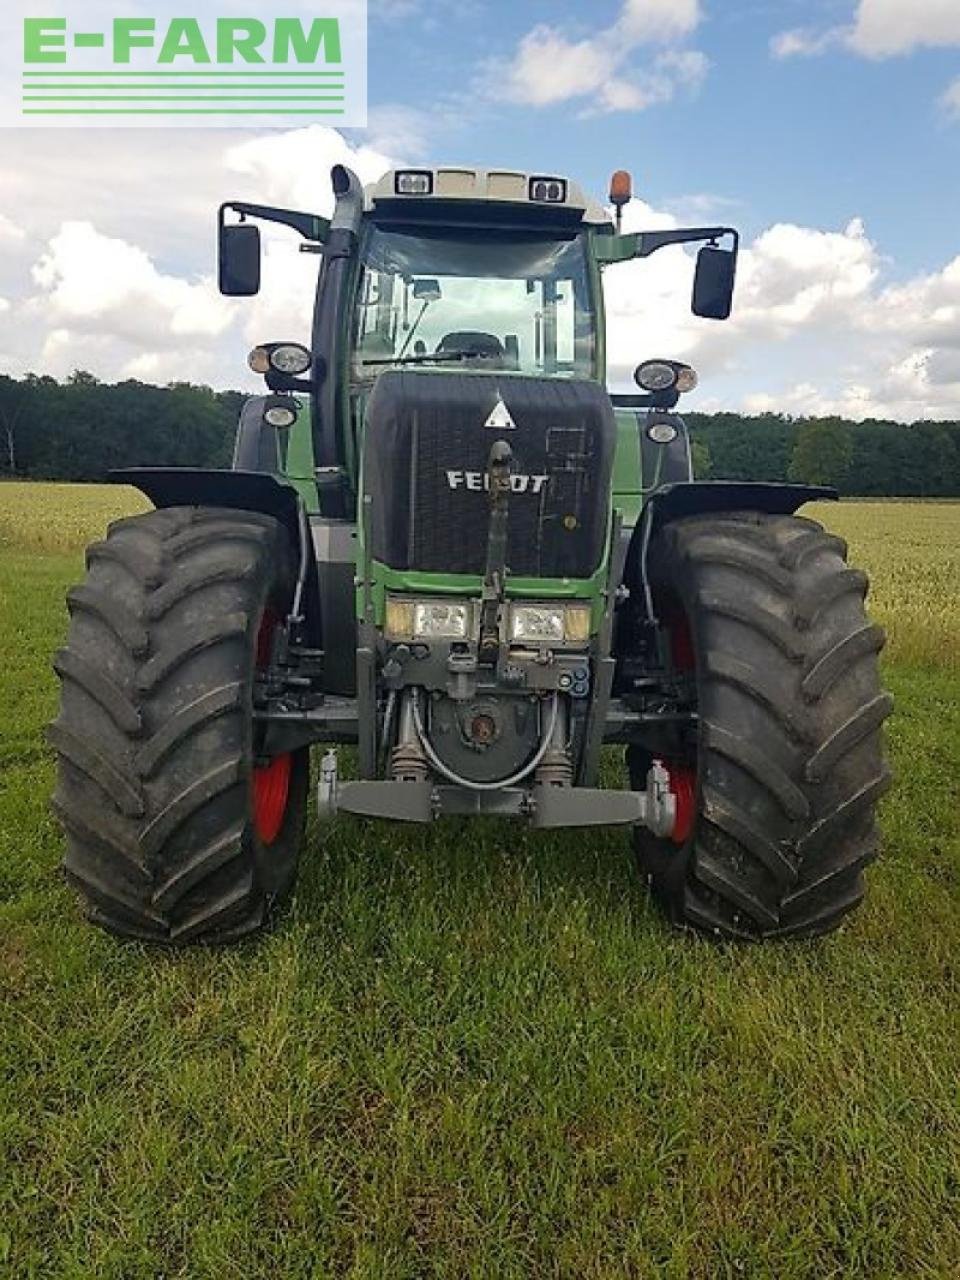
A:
(426, 444)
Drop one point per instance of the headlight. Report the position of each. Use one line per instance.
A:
(441, 621)
(656, 375)
(427, 619)
(661, 432)
(281, 412)
(291, 358)
(549, 624)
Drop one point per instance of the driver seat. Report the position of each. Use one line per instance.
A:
(487, 350)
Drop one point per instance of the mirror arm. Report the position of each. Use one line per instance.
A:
(650, 241)
(641, 244)
(278, 381)
(310, 225)
(668, 399)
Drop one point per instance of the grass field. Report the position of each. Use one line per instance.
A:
(479, 1052)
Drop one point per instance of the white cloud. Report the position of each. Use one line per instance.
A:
(794, 275)
(549, 67)
(879, 29)
(697, 208)
(98, 283)
(886, 27)
(950, 101)
(807, 300)
(647, 21)
(803, 42)
(10, 232)
(293, 169)
(405, 133)
(85, 298)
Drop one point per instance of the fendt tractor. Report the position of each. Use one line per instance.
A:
(445, 544)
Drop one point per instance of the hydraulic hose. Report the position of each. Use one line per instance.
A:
(455, 778)
(387, 726)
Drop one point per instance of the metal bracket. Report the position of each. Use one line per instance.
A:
(328, 787)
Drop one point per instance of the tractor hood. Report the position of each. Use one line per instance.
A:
(426, 452)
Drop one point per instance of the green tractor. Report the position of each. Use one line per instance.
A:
(445, 543)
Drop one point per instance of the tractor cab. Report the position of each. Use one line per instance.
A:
(500, 283)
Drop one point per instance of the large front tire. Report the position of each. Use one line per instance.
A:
(177, 831)
(788, 765)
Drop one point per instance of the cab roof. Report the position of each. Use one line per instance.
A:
(440, 186)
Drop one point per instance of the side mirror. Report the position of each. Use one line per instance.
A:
(713, 283)
(239, 260)
(427, 290)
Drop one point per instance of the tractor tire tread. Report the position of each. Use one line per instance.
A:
(206, 635)
(114, 614)
(828, 666)
(189, 719)
(791, 711)
(120, 790)
(99, 688)
(155, 737)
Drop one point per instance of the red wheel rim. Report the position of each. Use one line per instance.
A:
(683, 776)
(271, 790)
(683, 784)
(271, 782)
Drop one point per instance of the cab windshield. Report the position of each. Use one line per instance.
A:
(436, 297)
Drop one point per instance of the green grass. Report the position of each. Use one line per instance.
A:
(476, 1052)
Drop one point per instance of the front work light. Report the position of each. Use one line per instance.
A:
(664, 375)
(414, 182)
(548, 190)
(549, 624)
(656, 375)
(290, 357)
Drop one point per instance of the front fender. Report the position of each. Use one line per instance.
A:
(705, 497)
(207, 487)
(672, 501)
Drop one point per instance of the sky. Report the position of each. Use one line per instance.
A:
(828, 131)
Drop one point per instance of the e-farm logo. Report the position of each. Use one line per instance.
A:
(150, 68)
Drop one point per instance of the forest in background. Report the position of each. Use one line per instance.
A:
(82, 428)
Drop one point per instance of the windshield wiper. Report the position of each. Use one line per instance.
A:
(437, 357)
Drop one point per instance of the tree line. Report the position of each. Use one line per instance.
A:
(82, 428)
(873, 458)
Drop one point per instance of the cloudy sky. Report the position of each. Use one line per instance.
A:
(827, 130)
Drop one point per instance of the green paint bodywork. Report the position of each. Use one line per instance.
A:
(628, 469)
(299, 467)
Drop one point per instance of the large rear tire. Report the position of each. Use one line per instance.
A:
(781, 783)
(177, 832)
